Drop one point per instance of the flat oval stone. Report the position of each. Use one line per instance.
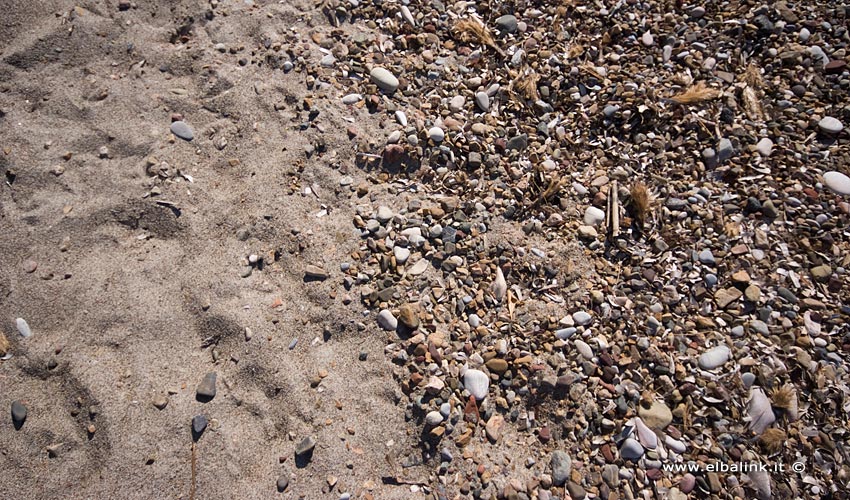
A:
(837, 182)
(23, 327)
(387, 321)
(182, 130)
(582, 318)
(477, 383)
(830, 125)
(482, 100)
(714, 358)
(352, 98)
(385, 80)
(436, 134)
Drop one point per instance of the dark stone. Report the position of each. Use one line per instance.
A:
(19, 414)
(206, 389)
(519, 142)
(199, 425)
(282, 482)
(304, 451)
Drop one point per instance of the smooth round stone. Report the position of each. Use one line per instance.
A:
(593, 216)
(507, 23)
(434, 418)
(764, 147)
(394, 137)
(748, 379)
(647, 39)
(328, 61)
(385, 80)
(401, 254)
(610, 110)
(352, 99)
(477, 383)
(584, 349)
(482, 100)
(562, 466)
(457, 103)
(805, 34)
(706, 257)
(710, 280)
(582, 318)
(474, 321)
(445, 410)
(714, 358)
(631, 450)
(436, 134)
(830, 126)
(387, 321)
(182, 130)
(837, 182)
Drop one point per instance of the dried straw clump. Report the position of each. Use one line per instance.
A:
(784, 396)
(4, 345)
(526, 85)
(772, 439)
(752, 76)
(471, 31)
(696, 94)
(639, 203)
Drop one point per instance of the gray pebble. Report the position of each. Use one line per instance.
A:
(206, 389)
(19, 414)
(562, 465)
(714, 358)
(387, 321)
(182, 130)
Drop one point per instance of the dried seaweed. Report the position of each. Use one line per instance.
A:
(696, 94)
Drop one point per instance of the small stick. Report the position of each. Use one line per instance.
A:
(613, 214)
(192, 489)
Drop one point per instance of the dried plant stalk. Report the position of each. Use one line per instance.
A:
(752, 104)
(639, 202)
(752, 76)
(471, 31)
(575, 50)
(696, 94)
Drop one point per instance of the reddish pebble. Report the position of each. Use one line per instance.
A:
(176, 117)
